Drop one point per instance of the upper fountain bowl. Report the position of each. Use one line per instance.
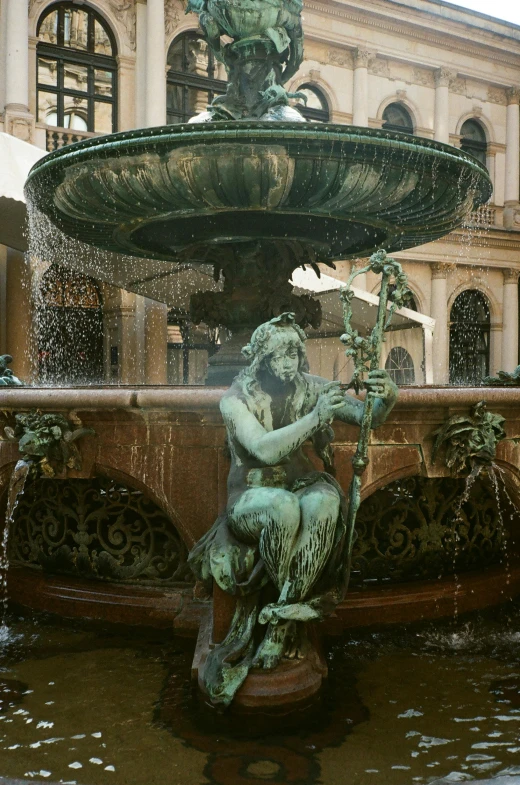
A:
(337, 191)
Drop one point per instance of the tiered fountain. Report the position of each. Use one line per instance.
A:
(252, 189)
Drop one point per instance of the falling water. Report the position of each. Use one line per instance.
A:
(16, 488)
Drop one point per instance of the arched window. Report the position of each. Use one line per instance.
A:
(397, 118)
(399, 365)
(469, 338)
(76, 70)
(474, 140)
(194, 77)
(69, 324)
(317, 109)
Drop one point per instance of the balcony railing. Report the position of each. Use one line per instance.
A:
(484, 217)
(61, 137)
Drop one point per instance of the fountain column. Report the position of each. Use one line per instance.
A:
(512, 190)
(510, 321)
(17, 119)
(360, 95)
(19, 319)
(442, 105)
(439, 312)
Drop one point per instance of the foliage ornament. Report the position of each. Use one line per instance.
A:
(503, 379)
(470, 440)
(47, 442)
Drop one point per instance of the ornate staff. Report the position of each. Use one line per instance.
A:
(366, 353)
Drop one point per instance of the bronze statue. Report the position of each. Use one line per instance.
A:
(266, 51)
(7, 377)
(285, 523)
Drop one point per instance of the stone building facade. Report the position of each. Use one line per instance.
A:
(69, 70)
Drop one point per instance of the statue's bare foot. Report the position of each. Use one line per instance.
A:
(297, 611)
(272, 648)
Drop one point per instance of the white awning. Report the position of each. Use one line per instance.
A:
(16, 159)
(364, 310)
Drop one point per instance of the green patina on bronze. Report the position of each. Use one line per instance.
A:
(47, 442)
(7, 377)
(178, 193)
(470, 440)
(503, 379)
(266, 51)
(284, 545)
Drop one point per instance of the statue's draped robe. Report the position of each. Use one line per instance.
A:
(236, 566)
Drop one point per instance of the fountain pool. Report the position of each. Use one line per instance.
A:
(94, 706)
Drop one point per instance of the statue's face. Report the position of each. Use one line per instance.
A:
(284, 362)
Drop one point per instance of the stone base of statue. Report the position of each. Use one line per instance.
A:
(292, 688)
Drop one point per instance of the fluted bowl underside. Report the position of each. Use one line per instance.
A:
(177, 191)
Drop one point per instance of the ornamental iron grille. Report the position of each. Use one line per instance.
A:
(96, 529)
(194, 78)
(421, 528)
(69, 326)
(76, 70)
(470, 330)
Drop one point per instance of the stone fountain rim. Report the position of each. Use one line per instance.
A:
(132, 142)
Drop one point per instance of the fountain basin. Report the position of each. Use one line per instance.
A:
(169, 445)
(328, 191)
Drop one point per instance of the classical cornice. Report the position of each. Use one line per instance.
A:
(447, 38)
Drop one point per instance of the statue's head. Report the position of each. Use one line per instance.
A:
(470, 439)
(278, 347)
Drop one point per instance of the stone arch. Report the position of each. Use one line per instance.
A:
(315, 79)
(113, 12)
(189, 24)
(411, 107)
(482, 119)
(495, 310)
(158, 498)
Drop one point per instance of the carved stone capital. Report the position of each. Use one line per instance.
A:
(362, 58)
(513, 95)
(511, 276)
(443, 76)
(440, 269)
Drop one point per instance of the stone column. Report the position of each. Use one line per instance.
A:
(510, 321)
(512, 187)
(360, 95)
(442, 105)
(439, 312)
(155, 64)
(156, 342)
(140, 64)
(19, 316)
(17, 120)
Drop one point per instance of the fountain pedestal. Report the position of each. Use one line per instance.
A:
(291, 688)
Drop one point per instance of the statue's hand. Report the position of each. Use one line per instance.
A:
(331, 398)
(380, 385)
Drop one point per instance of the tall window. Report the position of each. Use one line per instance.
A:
(317, 109)
(69, 325)
(397, 118)
(76, 70)
(469, 338)
(474, 140)
(194, 78)
(399, 365)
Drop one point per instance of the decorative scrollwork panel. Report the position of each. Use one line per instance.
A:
(422, 528)
(97, 529)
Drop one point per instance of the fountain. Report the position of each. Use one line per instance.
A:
(253, 190)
